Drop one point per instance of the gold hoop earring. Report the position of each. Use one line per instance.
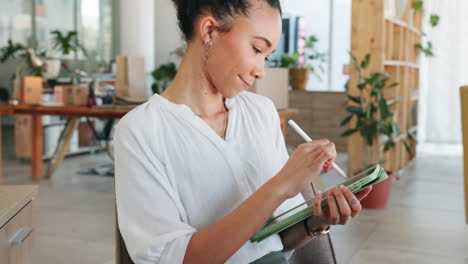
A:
(207, 52)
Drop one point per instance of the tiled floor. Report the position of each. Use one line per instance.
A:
(424, 222)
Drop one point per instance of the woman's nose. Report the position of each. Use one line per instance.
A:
(259, 71)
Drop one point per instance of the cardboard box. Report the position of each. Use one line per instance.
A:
(80, 95)
(31, 90)
(85, 134)
(23, 136)
(71, 95)
(274, 86)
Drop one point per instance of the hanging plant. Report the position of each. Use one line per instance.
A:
(434, 20)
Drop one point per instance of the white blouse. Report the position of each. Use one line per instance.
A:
(174, 175)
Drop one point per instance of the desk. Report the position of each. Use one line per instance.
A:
(73, 113)
(16, 224)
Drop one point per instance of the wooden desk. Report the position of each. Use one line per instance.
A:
(73, 113)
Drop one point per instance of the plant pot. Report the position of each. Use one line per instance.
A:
(378, 197)
(299, 78)
(53, 69)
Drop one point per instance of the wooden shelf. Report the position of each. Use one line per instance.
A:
(401, 63)
(391, 43)
(403, 24)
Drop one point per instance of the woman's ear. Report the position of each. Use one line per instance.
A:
(208, 24)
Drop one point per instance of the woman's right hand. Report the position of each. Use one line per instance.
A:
(304, 165)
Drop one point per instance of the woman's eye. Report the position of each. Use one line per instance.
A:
(256, 50)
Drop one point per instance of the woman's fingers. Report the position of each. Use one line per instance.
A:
(363, 194)
(318, 212)
(334, 215)
(352, 201)
(343, 206)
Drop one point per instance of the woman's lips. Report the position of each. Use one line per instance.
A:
(246, 84)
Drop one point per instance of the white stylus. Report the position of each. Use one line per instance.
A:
(308, 139)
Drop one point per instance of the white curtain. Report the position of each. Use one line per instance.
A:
(443, 74)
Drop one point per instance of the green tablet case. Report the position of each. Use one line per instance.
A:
(357, 183)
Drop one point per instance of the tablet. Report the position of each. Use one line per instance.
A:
(373, 175)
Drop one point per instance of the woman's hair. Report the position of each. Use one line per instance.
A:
(189, 10)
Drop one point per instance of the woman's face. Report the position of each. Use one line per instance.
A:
(237, 58)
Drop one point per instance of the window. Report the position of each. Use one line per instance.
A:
(330, 21)
(92, 19)
(53, 15)
(15, 21)
(96, 28)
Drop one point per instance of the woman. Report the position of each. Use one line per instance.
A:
(201, 167)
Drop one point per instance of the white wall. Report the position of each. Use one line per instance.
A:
(442, 75)
(168, 36)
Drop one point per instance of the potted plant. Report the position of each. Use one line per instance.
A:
(306, 61)
(375, 122)
(165, 73)
(28, 62)
(163, 76)
(66, 43)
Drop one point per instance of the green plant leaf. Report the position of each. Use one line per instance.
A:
(396, 128)
(434, 20)
(370, 133)
(355, 99)
(354, 109)
(349, 132)
(362, 86)
(389, 145)
(407, 147)
(369, 110)
(366, 61)
(346, 120)
(11, 51)
(67, 42)
(354, 60)
(393, 103)
(426, 50)
(418, 6)
(386, 128)
(383, 108)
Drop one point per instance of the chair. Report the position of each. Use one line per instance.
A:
(121, 256)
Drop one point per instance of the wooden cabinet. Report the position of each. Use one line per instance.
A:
(16, 226)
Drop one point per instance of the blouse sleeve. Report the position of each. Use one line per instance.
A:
(150, 214)
(283, 156)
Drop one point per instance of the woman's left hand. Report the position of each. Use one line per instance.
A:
(343, 205)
